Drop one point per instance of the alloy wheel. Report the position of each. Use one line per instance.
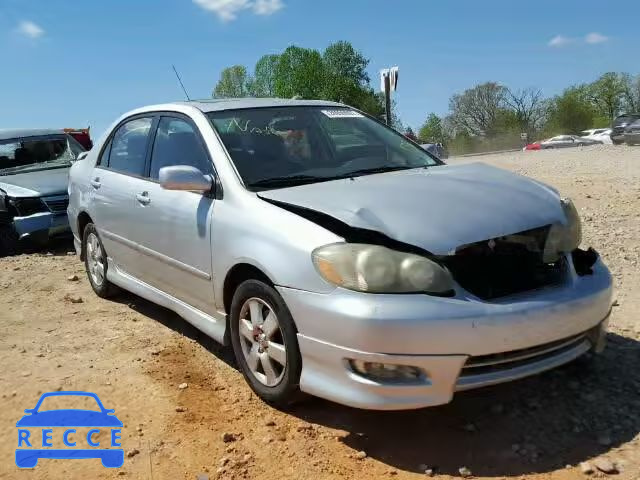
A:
(95, 259)
(262, 341)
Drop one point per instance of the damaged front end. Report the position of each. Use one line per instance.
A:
(488, 269)
(33, 219)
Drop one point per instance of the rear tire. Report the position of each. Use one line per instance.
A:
(265, 344)
(9, 241)
(95, 263)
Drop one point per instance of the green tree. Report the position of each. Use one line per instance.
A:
(528, 107)
(234, 82)
(264, 76)
(631, 93)
(345, 74)
(607, 94)
(299, 72)
(432, 130)
(476, 110)
(371, 103)
(571, 112)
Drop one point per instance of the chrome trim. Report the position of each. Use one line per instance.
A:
(157, 255)
(468, 382)
(508, 357)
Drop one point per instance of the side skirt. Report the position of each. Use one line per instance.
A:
(214, 326)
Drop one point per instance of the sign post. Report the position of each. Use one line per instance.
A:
(388, 82)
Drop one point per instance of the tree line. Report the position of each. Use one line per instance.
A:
(339, 73)
(487, 116)
(492, 116)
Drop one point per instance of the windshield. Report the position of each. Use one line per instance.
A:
(18, 155)
(625, 119)
(284, 146)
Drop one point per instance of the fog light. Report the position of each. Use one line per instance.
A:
(386, 371)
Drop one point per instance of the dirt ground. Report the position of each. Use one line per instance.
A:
(135, 356)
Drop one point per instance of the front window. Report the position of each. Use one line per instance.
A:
(284, 146)
(18, 155)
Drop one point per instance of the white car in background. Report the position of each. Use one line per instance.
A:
(601, 134)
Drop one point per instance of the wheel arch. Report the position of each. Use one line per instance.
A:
(237, 274)
(83, 220)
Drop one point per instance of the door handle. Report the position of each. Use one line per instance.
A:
(95, 183)
(143, 198)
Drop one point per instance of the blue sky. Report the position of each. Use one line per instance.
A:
(76, 63)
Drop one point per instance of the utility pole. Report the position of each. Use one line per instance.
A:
(387, 99)
(388, 82)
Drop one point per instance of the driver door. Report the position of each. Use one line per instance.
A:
(176, 236)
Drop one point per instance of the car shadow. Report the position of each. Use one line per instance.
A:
(175, 322)
(536, 425)
(57, 246)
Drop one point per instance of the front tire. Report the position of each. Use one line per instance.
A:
(264, 341)
(95, 263)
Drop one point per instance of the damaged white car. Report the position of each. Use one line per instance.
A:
(336, 256)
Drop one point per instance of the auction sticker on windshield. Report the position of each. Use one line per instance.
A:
(69, 433)
(342, 113)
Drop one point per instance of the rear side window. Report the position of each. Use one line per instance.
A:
(129, 146)
(177, 143)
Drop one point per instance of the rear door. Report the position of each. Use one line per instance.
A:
(117, 185)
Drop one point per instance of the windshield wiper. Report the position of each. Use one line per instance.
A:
(366, 171)
(286, 181)
(34, 167)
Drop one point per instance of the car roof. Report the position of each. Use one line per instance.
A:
(214, 105)
(28, 132)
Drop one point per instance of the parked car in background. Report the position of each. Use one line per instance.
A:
(436, 149)
(34, 169)
(565, 141)
(620, 124)
(601, 134)
(368, 273)
(532, 146)
(632, 133)
(82, 136)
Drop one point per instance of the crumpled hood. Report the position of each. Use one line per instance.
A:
(437, 209)
(53, 181)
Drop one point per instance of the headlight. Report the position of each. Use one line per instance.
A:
(28, 206)
(376, 269)
(563, 238)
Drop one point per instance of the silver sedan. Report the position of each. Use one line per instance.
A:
(565, 141)
(335, 256)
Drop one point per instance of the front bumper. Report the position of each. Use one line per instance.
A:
(41, 226)
(617, 136)
(632, 137)
(442, 337)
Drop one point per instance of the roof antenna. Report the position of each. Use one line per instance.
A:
(181, 84)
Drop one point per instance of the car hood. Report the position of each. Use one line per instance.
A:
(69, 418)
(52, 181)
(437, 209)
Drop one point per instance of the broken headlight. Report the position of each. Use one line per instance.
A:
(28, 206)
(377, 269)
(563, 238)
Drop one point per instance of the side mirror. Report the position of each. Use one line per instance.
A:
(185, 177)
(30, 410)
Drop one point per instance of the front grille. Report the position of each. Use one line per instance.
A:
(482, 364)
(57, 204)
(505, 265)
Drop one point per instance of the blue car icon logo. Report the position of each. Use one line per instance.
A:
(35, 433)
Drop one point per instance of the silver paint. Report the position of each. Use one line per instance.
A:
(178, 249)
